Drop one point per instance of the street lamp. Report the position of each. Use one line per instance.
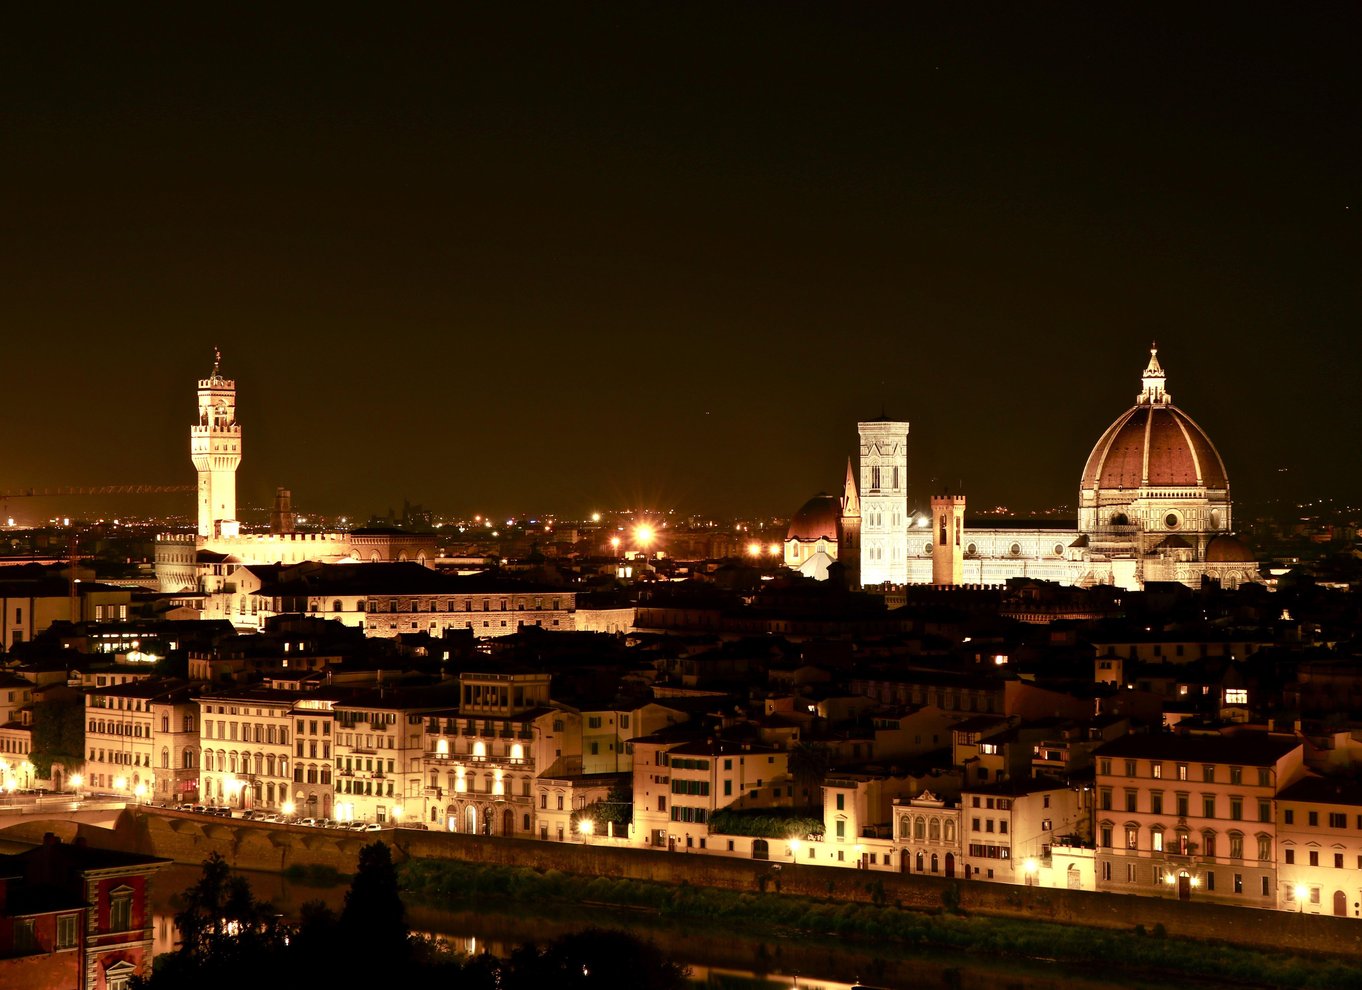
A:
(140, 792)
(1030, 867)
(287, 809)
(1300, 891)
(794, 850)
(398, 812)
(585, 828)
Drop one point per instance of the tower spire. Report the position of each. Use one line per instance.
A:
(1154, 380)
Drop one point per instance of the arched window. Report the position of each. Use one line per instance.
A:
(1208, 844)
(207, 759)
(336, 605)
(950, 829)
(934, 830)
(188, 758)
(919, 828)
(936, 864)
(165, 758)
(905, 827)
(919, 861)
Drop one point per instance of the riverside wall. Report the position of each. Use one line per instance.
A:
(188, 838)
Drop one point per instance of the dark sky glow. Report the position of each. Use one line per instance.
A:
(577, 258)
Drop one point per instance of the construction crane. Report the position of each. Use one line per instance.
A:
(101, 490)
(91, 490)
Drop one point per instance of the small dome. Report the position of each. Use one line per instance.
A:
(1226, 549)
(817, 519)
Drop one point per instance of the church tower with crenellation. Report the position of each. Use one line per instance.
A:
(215, 447)
(948, 529)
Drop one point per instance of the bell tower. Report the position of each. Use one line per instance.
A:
(215, 447)
(884, 501)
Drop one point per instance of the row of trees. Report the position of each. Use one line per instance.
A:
(228, 939)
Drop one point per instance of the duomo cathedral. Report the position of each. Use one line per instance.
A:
(1153, 505)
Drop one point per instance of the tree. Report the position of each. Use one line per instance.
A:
(58, 734)
(809, 764)
(224, 931)
(374, 914)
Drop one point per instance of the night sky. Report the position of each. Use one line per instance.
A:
(588, 257)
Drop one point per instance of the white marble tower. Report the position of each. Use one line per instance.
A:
(215, 446)
(884, 501)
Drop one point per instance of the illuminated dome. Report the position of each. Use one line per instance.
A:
(1154, 444)
(1154, 472)
(817, 519)
(1226, 549)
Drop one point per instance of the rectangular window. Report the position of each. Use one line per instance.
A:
(1208, 774)
(1313, 817)
(1208, 806)
(120, 912)
(1182, 802)
(1337, 820)
(25, 940)
(1289, 816)
(1290, 855)
(1264, 811)
(1156, 802)
(1314, 857)
(1157, 839)
(1210, 880)
(1267, 887)
(1236, 809)
(1156, 770)
(67, 931)
(841, 802)
(1182, 771)
(1338, 861)
(1239, 883)
(1236, 775)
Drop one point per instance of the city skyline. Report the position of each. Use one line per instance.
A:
(664, 258)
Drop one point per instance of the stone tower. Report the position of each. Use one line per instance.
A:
(884, 501)
(281, 516)
(215, 446)
(948, 527)
(849, 534)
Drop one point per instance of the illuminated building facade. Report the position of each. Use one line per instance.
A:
(1178, 814)
(207, 562)
(1154, 505)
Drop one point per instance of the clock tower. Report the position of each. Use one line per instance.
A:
(215, 446)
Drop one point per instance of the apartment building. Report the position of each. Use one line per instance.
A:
(247, 753)
(1319, 841)
(1184, 815)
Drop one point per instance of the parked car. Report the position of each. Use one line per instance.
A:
(199, 809)
(309, 822)
(373, 827)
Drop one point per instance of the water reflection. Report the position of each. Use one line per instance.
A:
(719, 959)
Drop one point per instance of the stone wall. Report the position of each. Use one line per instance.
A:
(188, 838)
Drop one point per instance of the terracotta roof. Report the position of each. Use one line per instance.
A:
(1256, 749)
(1154, 445)
(816, 519)
(1226, 549)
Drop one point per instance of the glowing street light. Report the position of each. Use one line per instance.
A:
(644, 534)
(76, 781)
(586, 827)
(1301, 891)
(140, 792)
(1030, 867)
(287, 808)
(754, 549)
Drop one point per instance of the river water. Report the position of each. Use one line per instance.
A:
(717, 957)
